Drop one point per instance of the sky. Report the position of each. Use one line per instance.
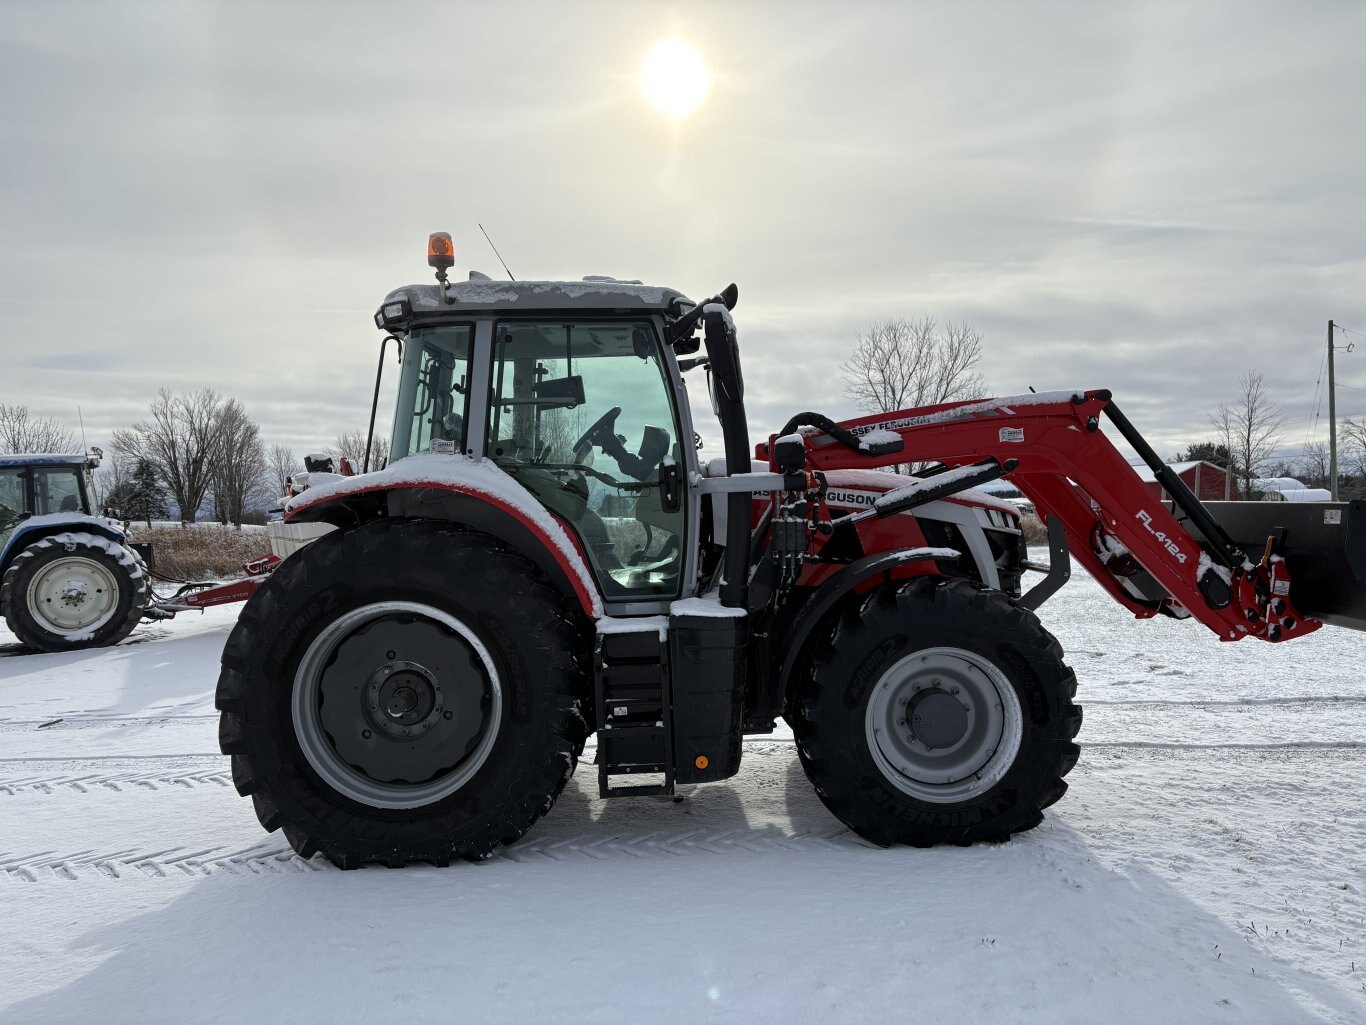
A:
(1149, 198)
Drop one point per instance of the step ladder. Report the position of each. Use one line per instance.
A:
(634, 710)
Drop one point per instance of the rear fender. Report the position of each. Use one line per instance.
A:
(555, 552)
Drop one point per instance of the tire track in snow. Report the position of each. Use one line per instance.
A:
(272, 856)
(85, 722)
(118, 781)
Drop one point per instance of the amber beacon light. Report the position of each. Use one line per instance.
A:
(440, 252)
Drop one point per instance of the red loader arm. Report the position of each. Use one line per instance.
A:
(1051, 447)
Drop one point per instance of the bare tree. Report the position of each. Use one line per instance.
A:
(351, 445)
(22, 432)
(1313, 465)
(1352, 454)
(899, 363)
(238, 463)
(280, 466)
(179, 439)
(1250, 429)
(113, 480)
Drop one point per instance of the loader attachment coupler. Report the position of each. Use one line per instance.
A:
(1178, 561)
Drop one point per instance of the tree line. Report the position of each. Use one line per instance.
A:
(195, 452)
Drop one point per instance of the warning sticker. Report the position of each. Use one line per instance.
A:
(1331, 516)
(1015, 434)
(442, 446)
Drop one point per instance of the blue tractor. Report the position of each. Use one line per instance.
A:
(68, 579)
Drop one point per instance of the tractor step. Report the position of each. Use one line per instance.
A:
(669, 702)
(634, 711)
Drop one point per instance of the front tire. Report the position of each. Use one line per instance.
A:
(938, 713)
(402, 691)
(74, 590)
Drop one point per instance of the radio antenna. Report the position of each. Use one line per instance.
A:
(495, 252)
(84, 446)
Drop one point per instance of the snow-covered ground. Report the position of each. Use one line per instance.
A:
(1206, 866)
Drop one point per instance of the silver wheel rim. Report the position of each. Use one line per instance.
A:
(944, 725)
(318, 745)
(73, 595)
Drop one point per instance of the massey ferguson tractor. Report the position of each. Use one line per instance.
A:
(547, 556)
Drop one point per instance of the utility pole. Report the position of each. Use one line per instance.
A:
(1332, 422)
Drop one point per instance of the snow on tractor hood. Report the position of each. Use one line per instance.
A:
(462, 473)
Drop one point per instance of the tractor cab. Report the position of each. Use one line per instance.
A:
(571, 390)
(43, 485)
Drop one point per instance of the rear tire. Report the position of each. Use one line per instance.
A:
(74, 590)
(938, 713)
(402, 691)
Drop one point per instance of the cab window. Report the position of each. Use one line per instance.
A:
(13, 486)
(582, 415)
(435, 383)
(57, 489)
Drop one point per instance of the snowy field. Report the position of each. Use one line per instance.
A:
(1208, 865)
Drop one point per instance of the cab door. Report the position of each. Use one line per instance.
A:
(583, 414)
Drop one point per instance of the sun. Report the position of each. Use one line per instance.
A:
(674, 78)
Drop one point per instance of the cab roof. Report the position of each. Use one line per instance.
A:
(42, 459)
(486, 295)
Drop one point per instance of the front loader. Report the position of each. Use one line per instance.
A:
(548, 556)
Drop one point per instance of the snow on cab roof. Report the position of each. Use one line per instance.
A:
(45, 458)
(590, 294)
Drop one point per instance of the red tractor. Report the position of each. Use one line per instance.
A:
(547, 557)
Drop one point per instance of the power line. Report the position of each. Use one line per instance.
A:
(1312, 430)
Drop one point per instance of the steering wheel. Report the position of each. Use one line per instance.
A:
(589, 439)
